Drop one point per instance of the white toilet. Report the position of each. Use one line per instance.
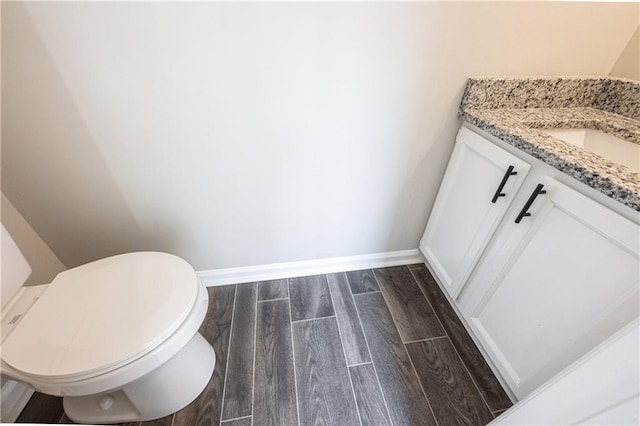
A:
(117, 338)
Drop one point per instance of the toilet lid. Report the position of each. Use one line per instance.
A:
(102, 315)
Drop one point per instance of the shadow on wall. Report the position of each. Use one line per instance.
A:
(45, 265)
(92, 217)
(628, 64)
(434, 130)
(422, 171)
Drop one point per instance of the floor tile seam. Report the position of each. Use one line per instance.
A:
(344, 353)
(255, 337)
(312, 319)
(366, 292)
(499, 411)
(226, 368)
(271, 300)
(407, 352)
(450, 340)
(293, 352)
(359, 364)
(415, 371)
(237, 418)
(173, 419)
(375, 370)
(428, 339)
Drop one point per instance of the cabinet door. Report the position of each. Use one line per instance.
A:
(467, 211)
(552, 287)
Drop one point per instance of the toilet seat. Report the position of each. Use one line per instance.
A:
(100, 316)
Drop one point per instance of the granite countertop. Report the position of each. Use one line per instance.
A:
(515, 109)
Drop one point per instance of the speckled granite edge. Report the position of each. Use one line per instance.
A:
(616, 95)
(619, 97)
(495, 93)
(514, 110)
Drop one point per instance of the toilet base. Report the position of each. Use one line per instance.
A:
(167, 389)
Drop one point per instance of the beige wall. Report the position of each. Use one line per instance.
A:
(44, 263)
(628, 63)
(237, 134)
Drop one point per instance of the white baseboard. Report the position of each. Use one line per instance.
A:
(273, 271)
(15, 396)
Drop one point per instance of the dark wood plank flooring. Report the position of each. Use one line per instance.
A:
(355, 346)
(274, 289)
(334, 349)
(324, 386)
(165, 421)
(239, 382)
(310, 298)
(274, 399)
(401, 388)
(478, 368)
(43, 408)
(362, 281)
(371, 405)
(450, 390)
(411, 312)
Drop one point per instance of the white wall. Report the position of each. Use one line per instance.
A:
(237, 134)
(44, 263)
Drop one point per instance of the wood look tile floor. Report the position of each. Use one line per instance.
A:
(373, 347)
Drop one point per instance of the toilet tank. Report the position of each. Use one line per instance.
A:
(14, 269)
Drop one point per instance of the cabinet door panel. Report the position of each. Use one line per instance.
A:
(463, 217)
(570, 279)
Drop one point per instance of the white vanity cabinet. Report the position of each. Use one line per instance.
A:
(479, 185)
(550, 288)
(553, 286)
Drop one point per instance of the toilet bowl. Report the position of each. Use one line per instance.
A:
(117, 338)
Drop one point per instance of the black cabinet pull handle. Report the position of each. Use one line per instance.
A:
(524, 212)
(505, 178)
